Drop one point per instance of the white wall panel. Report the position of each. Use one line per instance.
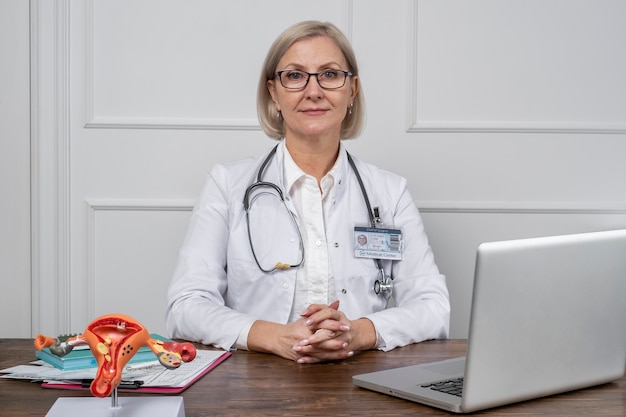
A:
(192, 64)
(519, 66)
(133, 249)
(15, 170)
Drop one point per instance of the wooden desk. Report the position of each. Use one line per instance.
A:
(255, 385)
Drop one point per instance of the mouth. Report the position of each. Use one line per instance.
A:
(314, 112)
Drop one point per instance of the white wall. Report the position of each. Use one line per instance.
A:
(14, 170)
(506, 117)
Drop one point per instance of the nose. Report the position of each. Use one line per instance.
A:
(313, 88)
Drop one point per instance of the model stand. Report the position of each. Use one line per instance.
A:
(118, 407)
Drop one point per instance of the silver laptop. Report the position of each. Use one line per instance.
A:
(548, 316)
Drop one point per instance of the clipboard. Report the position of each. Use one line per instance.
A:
(147, 389)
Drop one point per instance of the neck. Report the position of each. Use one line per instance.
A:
(314, 158)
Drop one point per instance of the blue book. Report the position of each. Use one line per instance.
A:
(80, 358)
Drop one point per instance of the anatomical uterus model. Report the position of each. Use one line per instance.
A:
(114, 339)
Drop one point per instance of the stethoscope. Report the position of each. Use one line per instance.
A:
(382, 286)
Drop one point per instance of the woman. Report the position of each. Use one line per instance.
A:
(319, 304)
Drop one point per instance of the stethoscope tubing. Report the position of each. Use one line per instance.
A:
(382, 287)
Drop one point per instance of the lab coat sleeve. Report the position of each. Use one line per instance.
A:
(196, 306)
(420, 294)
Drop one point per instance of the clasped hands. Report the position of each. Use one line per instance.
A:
(324, 333)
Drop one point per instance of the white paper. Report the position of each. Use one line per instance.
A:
(153, 374)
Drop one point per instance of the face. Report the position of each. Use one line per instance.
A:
(313, 112)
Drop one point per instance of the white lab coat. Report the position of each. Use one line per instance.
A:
(218, 290)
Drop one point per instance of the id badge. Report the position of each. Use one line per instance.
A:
(377, 243)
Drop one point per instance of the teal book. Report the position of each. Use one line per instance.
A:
(83, 358)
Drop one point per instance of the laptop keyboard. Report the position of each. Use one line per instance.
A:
(449, 386)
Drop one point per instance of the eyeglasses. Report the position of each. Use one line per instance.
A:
(328, 79)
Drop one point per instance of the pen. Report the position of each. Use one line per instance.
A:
(86, 383)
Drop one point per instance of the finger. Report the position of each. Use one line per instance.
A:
(314, 308)
(328, 319)
(323, 340)
(323, 314)
(337, 326)
(308, 359)
(328, 329)
(321, 335)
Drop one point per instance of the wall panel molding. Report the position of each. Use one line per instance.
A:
(50, 161)
(422, 126)
(521, 207)
(417, 124)
(101, 206)
(120, 204)
(171, 123)
(98, 121)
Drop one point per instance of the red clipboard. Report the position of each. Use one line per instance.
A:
(147, 390)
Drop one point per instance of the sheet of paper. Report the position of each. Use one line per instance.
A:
(179, 377)
(46, 372)
(153, 374)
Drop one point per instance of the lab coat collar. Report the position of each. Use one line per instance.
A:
(288, 172)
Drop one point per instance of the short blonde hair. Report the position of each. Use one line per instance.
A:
(270, 121)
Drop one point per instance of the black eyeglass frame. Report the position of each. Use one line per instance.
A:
(309, 74)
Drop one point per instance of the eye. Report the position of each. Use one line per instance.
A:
(294, 75)
(329, 74)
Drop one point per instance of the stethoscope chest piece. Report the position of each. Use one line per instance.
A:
(383, 286)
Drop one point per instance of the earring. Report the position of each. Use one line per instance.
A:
(350, 109)
(279, 115)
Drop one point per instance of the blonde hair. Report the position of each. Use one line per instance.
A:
(270, 121)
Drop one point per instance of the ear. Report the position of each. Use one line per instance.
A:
(271, 87)
(354, 87)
